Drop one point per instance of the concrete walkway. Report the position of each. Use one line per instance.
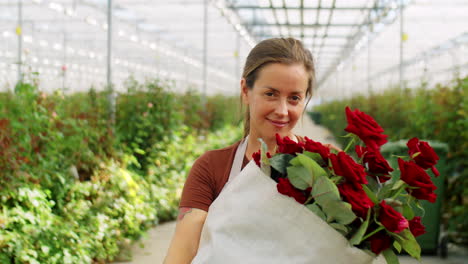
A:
(157, 242)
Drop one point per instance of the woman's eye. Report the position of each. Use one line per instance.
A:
(296, 98)
(269, 93)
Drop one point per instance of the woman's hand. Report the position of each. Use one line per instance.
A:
(331, 146)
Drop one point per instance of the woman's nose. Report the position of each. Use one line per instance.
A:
(281, 108)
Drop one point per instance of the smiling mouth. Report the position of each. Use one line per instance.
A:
(278, 124)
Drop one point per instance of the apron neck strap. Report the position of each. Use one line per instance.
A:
(238, 158)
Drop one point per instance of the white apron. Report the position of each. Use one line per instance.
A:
(250, 222)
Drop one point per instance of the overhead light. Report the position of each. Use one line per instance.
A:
(6, 34)
(134, 38)
(91, 21)
(27, 38)
(57, 46)
(55, 6)
(69, 12)
(43, 43)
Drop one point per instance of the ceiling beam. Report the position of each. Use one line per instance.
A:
(301, 8)
(309, 36)
(261, 24)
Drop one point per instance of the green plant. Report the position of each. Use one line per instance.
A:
(438, 114)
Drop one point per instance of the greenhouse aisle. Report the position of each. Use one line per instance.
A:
(157, 242)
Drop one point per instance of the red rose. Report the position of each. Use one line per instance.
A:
(380, 242)
(377, 164)
(288, 146)
(392, 220)
(285, 187)
(365, 127)
(317, 147)
(357, 197)
(256, 157)
(416, 227)
(345, 166)
(415, 176)
(427, 157)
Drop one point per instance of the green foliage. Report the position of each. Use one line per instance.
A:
(75, 190)
(438, 114)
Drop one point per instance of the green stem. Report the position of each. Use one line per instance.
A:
(398, 192)
(309, 199)
(372, 233)
(349, 144)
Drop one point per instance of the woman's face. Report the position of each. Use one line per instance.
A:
(277, 99)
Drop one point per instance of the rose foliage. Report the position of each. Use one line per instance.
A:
(364, 198)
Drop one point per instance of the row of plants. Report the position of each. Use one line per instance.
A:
(76, 188)
(437, 113)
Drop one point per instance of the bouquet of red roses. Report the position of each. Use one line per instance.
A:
(366, 200)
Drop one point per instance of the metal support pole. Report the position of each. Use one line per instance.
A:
(401, 117)
(369, 42)
(158, 57)
(111, 95)
(19, 32)
(187, 68)
(237, 62)
(401, 45)
(205, 46)
(64, 63)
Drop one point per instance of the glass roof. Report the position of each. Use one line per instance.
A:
(356, 43)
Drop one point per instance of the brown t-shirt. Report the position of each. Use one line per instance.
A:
(208, 175)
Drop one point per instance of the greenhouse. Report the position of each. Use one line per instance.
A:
(110, 109)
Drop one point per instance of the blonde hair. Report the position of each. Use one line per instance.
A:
(276, 50)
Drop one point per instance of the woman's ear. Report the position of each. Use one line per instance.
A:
(244, 91)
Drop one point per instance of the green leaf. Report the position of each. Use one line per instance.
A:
(357, 237)
(280, 162)
(311, 165)
(264, 161)
(340, 228)
(384, 192)
(370, 194)
(324, 190)
(390, 256)
(139, 151)
(299, 177)
(339, 211)
(317, 211)
(336, 179)
(315, 156)
(422, 210)
(264, 150)
(409, 244)
(397, 246)
(372, 184)
(408, 211)
(398, 184)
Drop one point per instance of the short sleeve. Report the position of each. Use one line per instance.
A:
(199, 188)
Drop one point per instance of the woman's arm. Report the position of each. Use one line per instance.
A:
(184, 244)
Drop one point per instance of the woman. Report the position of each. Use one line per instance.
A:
(276, 86)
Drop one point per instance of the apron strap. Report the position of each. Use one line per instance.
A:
(238, 158)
